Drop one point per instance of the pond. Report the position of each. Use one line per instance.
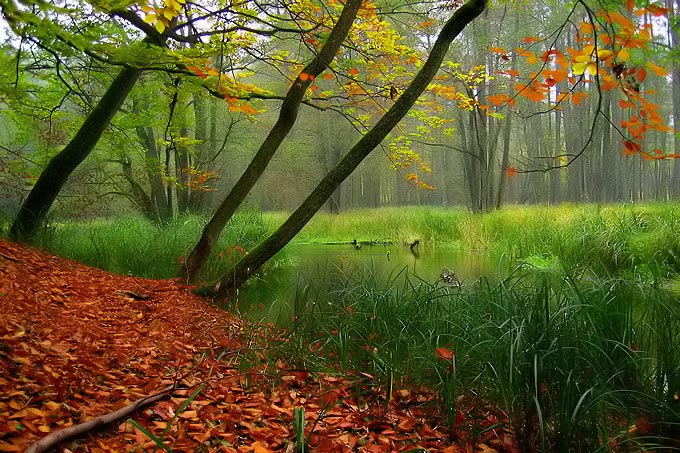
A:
(318, 266)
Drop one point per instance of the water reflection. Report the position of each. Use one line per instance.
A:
(321, 267)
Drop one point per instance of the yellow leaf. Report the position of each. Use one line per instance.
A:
(603, 54)
(150, 17)
(656, 69)
(159, 26)
(623, 54)
(580, 68)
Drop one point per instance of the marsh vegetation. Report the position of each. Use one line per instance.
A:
(569, 326)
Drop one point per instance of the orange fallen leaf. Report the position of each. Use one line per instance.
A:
(444, 353)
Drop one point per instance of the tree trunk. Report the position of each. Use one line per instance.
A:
(287, 118)
(154, 169)
(182, 164)
(138, 195)
(274, 243)
(39, 201)
(675, 90)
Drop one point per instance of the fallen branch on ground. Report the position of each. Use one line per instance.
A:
(54, 438)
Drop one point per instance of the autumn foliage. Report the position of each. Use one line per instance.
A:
(611, 54)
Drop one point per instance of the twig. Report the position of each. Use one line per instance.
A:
(134, 295)
(9, 258)
(54, 438)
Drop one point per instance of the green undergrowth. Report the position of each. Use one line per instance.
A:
(637, 241)
(577, 362)
(133, 245)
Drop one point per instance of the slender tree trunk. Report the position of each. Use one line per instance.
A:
(39, 201)
(154, 168)
(182, 164)
(202, 162)
(298, 219)
(507, 131)
(138, 195)
(675, 90)
(287, 118)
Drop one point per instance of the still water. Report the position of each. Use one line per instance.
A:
(271, 297)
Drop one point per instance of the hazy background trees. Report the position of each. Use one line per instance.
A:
(174, 145)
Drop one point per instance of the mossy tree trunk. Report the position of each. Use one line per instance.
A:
(39, 201)
(243, 269)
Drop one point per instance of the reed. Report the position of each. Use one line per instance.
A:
(576, 362)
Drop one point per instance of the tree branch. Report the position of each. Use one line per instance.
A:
(52, 439)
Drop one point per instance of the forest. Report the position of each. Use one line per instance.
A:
(325, 225)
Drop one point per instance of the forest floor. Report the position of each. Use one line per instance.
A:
(77, 343)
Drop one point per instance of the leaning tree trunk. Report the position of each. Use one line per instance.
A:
(36, 206)
(287, 118)
(298, 219)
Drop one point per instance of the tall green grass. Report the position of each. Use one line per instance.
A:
(132, 245)
(635, 240)
(577, 363)
(641, 240)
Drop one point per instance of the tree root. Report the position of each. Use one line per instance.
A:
(55, 437)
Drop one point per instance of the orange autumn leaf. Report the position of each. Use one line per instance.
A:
(305, 76)
(243, 107)
(653, 9)
(258, 447)
(535, 92)
(608, 83)
(196, 70)
(511, 171)
(501, 99)
(530, 56)
(530, 39)
(444, 353)
(558, 56)
(577, 97)
(353, 71)
(656, 69)
(586, 28)
(563, 97)
(647, 156)
(641, 74)
(328, 76)
(631, 147)
(558, 75)
(510, 72)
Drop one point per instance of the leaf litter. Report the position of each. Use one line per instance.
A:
(77, 343)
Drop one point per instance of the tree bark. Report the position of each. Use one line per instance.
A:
(39, 201)
(287, 118)
(274, 243)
